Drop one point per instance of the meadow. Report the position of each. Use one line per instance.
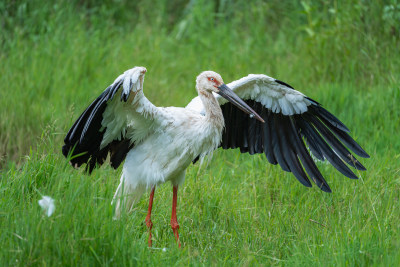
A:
(57, 56)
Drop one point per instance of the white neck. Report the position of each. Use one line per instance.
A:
(212, 108)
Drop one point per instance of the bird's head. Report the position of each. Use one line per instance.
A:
(210, 81)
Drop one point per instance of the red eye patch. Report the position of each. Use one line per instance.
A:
(212, 79)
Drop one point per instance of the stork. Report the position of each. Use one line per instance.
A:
(256, 113)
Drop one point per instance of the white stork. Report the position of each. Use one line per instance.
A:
(158, 143)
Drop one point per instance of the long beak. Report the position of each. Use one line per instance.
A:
(228, 94)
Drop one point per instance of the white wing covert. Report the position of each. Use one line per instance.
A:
(118, 118)
(295, 127)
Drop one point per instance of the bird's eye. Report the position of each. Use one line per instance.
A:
(211, 79)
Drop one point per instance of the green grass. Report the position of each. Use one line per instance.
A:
(239, 210)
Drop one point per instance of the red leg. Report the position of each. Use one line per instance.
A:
(149, 223)
(174, 221)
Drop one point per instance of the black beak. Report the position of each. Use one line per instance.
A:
(228, 94)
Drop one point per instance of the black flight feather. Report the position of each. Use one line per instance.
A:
(86, 135)
(283, 83)
(283, 140)
(275, 120)
(337, 146)
(347, 140)
(329, 154)
(308, 162)
(268, 150)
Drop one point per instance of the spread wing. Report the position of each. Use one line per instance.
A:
(113, 123)
(295, 128)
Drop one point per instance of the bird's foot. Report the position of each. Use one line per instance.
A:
(175, 227)
(149, 225)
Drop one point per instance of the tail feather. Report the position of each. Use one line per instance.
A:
(126, 197)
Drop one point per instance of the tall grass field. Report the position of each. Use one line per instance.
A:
(58, 56)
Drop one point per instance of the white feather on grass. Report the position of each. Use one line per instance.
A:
(47, 204)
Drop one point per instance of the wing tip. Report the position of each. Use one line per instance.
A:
(364, 155)
(326, 189)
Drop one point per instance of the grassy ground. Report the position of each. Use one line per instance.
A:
(56, 58)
